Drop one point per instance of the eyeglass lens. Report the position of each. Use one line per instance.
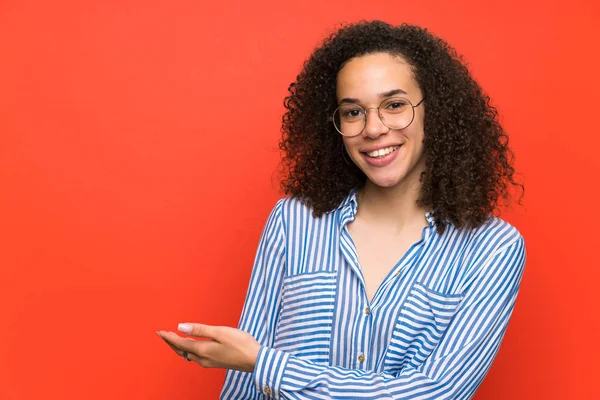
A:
(395, 113)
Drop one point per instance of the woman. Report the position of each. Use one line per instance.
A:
(384, 275)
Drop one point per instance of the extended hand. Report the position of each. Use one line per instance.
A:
(228, 348)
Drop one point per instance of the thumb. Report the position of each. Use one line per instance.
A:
(198, 330)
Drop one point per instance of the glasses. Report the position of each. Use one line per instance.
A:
(395, 113)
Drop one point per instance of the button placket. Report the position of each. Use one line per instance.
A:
(366, 322)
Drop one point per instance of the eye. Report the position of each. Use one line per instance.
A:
(395, 105)
(351, 113)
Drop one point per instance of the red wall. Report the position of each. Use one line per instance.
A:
(138, 142)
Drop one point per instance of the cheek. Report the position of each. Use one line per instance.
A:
(415, 131)
(351, 154)
(420, 124)
(348, 144)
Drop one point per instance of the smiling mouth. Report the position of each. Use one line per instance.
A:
(382, 152)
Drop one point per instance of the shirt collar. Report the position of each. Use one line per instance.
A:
(350, 203)
(429, 218)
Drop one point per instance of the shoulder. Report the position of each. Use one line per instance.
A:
(496, 234)
(297, 218)
(496, 244)
(290, 205)
(293, 209)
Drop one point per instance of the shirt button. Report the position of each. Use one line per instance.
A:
(367, 311)
(397, 273)
(267, 390)
(361, 358)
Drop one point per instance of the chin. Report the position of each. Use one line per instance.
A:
(385, 182)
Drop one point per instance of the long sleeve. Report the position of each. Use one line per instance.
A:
(260, 312)
(453, 370)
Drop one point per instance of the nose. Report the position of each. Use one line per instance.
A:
(374, 127)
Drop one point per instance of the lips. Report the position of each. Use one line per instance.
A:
(388, 154)
(381, 151)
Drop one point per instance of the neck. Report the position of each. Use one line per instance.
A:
(395, 207)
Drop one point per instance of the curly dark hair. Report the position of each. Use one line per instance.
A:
(468, 164)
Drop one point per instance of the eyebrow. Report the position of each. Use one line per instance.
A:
(390, 93)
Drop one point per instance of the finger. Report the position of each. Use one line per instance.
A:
(180, 344)
(200, 352)
(175, 349)
(200, 330)
(184, 354)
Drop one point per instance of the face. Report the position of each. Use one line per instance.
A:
(388, 157)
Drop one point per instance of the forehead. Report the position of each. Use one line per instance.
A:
(366, 76)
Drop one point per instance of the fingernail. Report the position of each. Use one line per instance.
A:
(158, 333)
(185, 328)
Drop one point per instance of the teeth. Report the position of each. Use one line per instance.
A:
(382, 152)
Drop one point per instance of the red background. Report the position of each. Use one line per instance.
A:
(138, 145)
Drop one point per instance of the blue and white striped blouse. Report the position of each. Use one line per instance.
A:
(431, 330)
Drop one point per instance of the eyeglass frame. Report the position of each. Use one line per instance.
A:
(332, 118)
